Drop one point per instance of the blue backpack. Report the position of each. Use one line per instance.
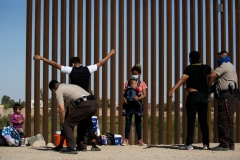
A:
(130, 93)
(11, 136)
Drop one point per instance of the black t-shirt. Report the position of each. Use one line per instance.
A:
(197, 74)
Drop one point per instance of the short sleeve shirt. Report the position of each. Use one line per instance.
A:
(141, 87)
(197, 74)
(67, 92)
(68, 70)
(227, 74)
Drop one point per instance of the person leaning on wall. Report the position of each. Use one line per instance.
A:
(197, 99)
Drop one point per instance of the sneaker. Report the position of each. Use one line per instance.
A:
(69, 150)
(95, 148)
(220, 148)
(125, 142)
(206, 146)
(57, 148)
(186, 147)
(141, 143)
(82, 149)
(140, 114)
(231, 147)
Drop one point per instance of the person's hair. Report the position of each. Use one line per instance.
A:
(195, 56)
(136, 67)
(53, 84)
(16, 106)
(130, 81)
(74, 60)
(222, 52)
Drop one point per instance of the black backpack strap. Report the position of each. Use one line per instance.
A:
(139, 82)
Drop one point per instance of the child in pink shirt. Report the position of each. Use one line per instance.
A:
(17, 119)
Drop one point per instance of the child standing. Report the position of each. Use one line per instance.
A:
(17, 119)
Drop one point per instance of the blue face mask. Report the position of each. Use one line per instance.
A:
(134, 76)
(226, 59)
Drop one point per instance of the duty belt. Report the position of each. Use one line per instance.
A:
(79, 100)
(82, 99)
(224, 91)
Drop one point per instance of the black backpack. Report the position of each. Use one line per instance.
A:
(110, 139)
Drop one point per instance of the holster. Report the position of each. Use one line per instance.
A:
(217, 94)
(82, 99)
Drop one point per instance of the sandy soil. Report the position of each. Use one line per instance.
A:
(132, 152)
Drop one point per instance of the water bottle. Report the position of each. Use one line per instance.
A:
(22, 142)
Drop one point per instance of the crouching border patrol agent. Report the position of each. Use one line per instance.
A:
(227, 95)
(83, 108)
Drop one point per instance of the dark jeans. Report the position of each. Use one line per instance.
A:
(225, 122)
(197, 102)
(128, 123)
(82, 113)
(137, 104)
(86, 125)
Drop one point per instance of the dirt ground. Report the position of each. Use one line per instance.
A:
(133, 152)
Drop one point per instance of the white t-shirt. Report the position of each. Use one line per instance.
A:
(68, 70)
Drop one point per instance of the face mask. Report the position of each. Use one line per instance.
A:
(134, 76)
(226, 59)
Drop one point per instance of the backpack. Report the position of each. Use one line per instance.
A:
(11, 136)
(130, 93)
(110, 139)
(2, 139)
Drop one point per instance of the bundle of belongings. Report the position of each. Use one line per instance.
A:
(9, 136)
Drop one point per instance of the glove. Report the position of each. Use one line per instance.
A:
(61, 127)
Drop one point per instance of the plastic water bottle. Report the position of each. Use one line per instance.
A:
(98, 130)
(22, 142)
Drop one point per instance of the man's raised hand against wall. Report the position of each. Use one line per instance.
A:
(37, 57)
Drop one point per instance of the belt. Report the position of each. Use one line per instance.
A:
(82, 99)
(79, 100)
(225, 91)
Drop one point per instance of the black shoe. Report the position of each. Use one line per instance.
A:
(231, 147)
(57, 148)
(220, 148)
(95, 148)
(82, 149)
(140, 114)
(69, 150)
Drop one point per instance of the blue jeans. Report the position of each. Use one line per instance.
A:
(128, 123)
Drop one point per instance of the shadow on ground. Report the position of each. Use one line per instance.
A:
(176, 146)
